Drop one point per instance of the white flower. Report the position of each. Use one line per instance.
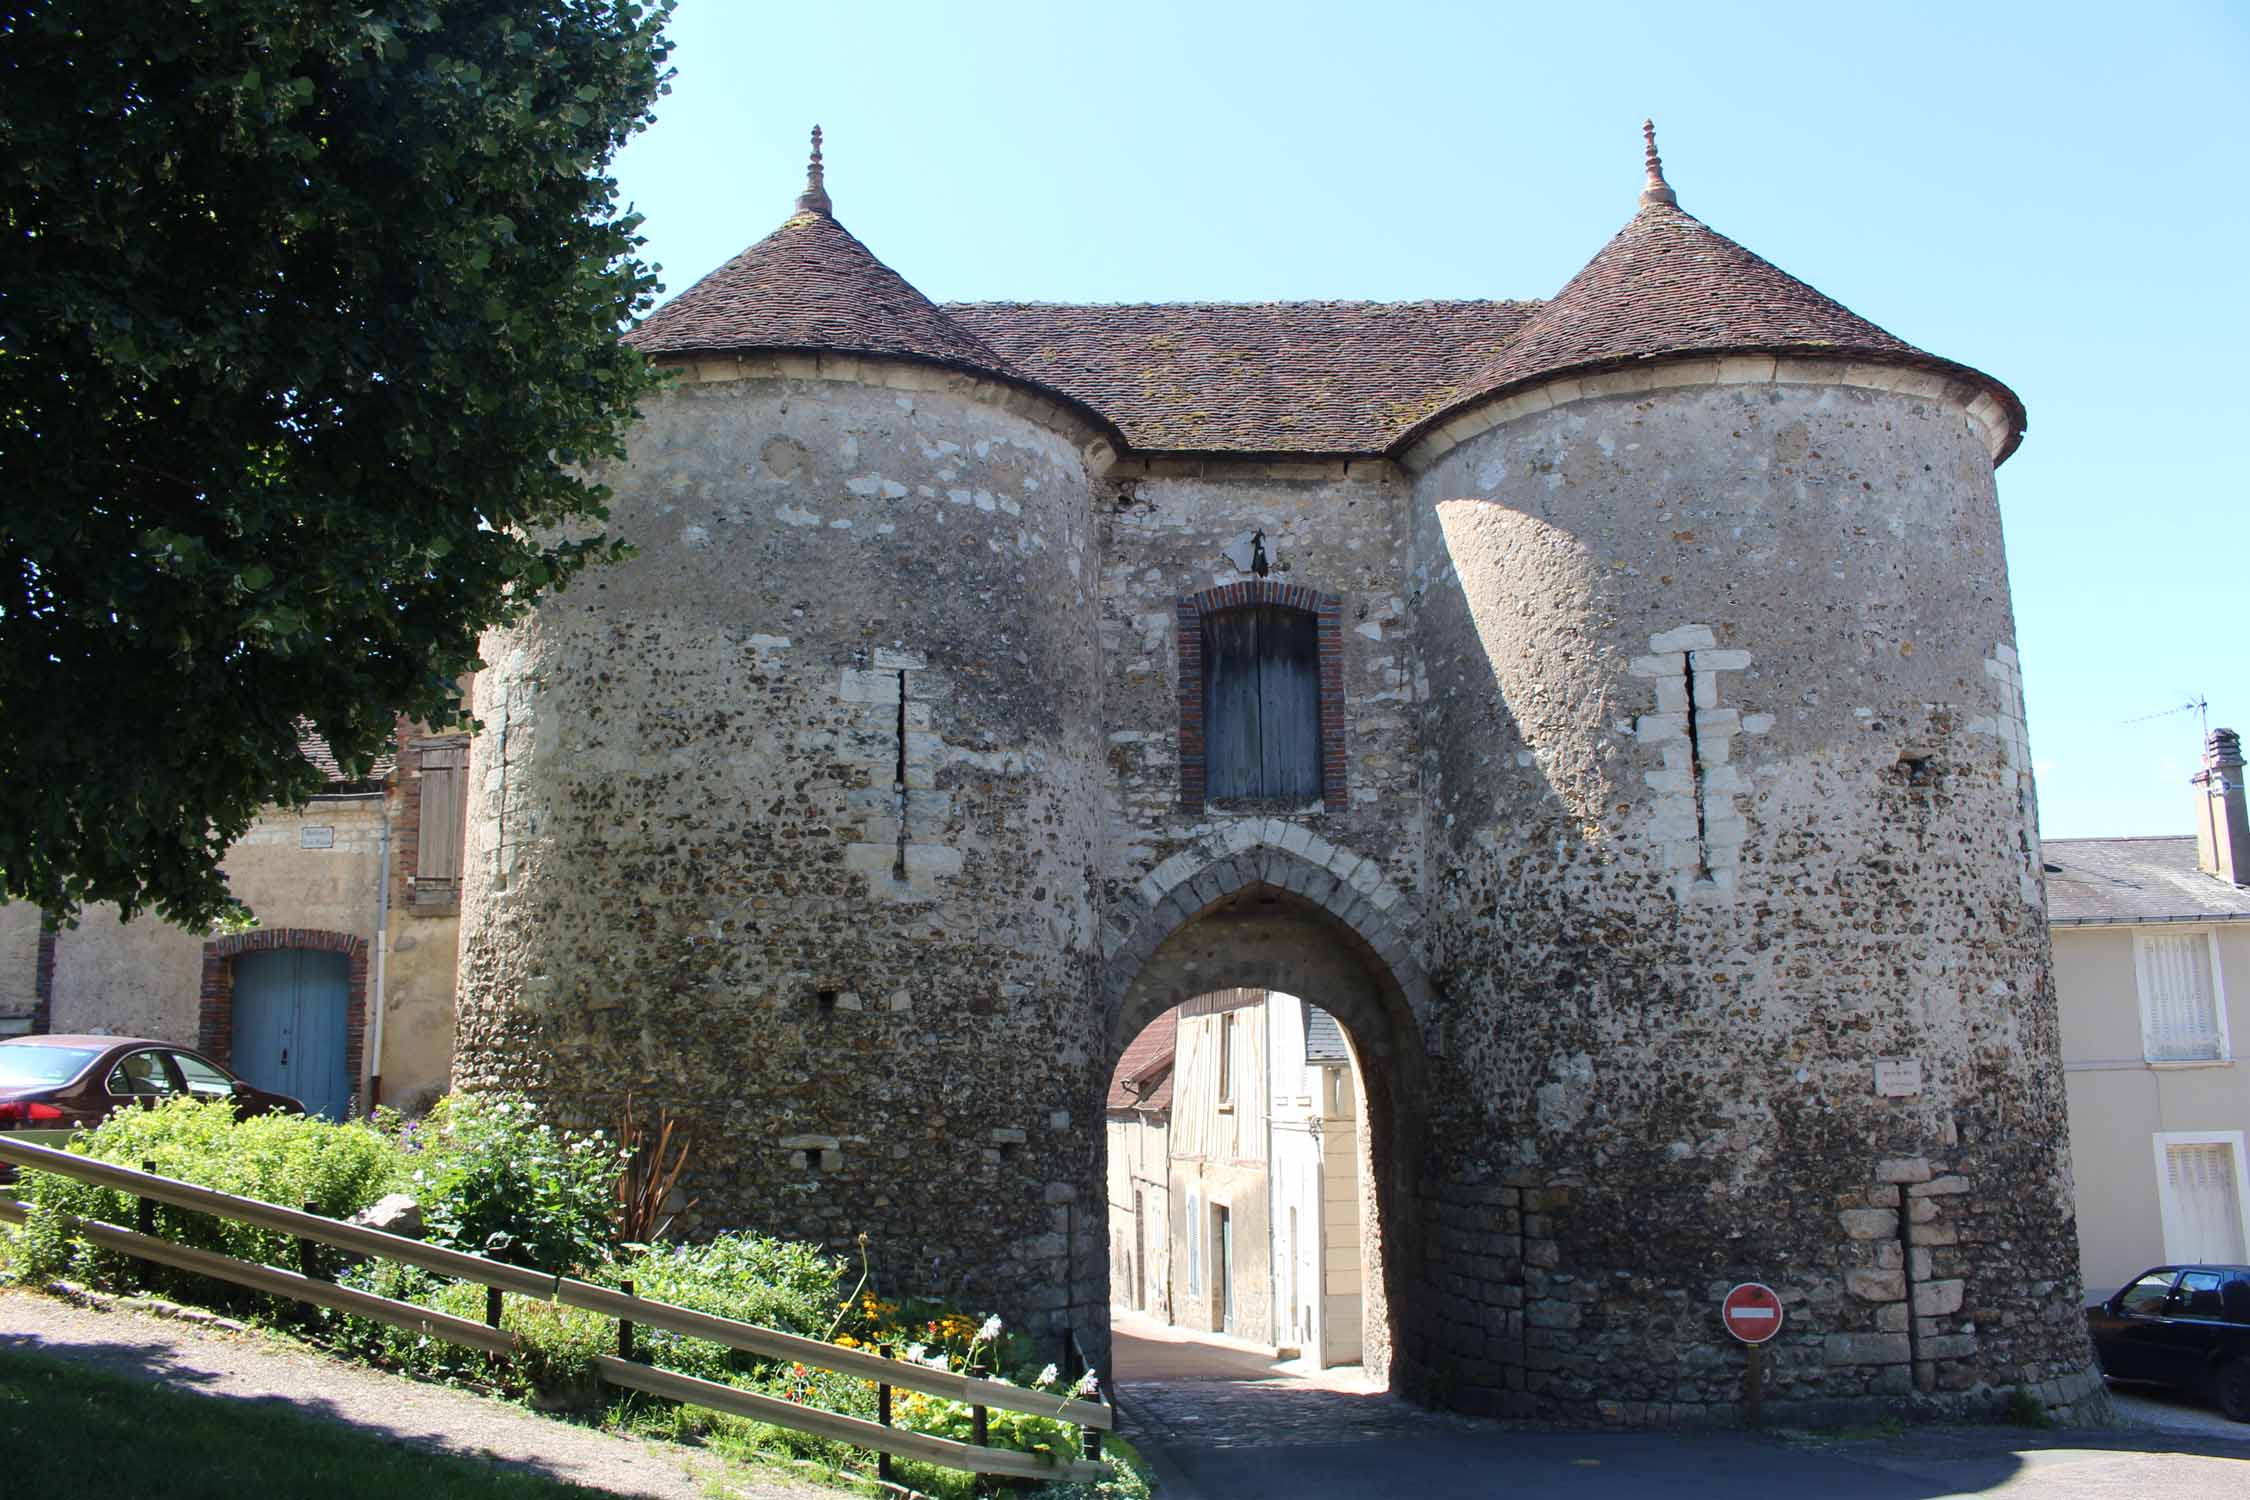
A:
(1088, 1384)
(937, 1361)
(914, 1353)
(990, 1330)
(1048, 1376)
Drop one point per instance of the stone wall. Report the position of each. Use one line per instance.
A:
(792, 824)
(1740, 935)
(19, 965)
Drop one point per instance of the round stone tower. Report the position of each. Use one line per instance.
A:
(1738, 909)
(790, 822)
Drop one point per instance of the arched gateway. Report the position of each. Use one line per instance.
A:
(1280, 922)
(1671, 857)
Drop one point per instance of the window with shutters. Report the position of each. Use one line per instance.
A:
(2201, 1193)
(1261, 705)
(444, 791)
(2183, 1010)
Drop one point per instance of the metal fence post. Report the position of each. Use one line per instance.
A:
(308, 1254)
(144, 1220)
(883, 1415)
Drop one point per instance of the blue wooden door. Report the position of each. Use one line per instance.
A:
(289, 1026)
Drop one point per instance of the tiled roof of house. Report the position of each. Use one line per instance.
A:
(1324, 1039)
(315, 749)
(1253, 377)
(1143, 1077)
(1326, 379)
(2092, 881)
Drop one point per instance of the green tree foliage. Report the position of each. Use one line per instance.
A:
(309, 317)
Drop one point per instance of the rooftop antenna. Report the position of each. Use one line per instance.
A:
(2198, 705)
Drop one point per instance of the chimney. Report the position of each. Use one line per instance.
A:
(2222, 818)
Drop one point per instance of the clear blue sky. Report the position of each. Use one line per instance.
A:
(2056, 193)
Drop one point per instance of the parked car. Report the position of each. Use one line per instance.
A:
(2184, 1326)
(51, 1085)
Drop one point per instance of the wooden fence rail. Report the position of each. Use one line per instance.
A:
(1094, 1417)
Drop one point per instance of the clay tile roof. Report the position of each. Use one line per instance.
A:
(1330, 378)
(1668, 284)
(810, 285)
(315, 750)
(1143, 1078)
(2096, 881)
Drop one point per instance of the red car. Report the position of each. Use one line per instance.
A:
(50, 1085)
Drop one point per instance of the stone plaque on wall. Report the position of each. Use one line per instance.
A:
(316, 837)
(1898, 1077)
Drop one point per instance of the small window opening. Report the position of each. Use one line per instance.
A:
(1261, 705)
(825, 1001)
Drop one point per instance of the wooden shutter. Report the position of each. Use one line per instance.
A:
(1261, 704)
(444, 791)
(2183, 1013)
(1232, 759)
(2206, 1204)
(1289, 704)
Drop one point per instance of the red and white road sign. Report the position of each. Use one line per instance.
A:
(1751, 1312)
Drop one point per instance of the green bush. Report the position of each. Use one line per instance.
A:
(493, 1179)
(752, 1278)
(555, 1353)
(292, 1160)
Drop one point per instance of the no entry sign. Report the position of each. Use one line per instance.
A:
(1751, 1312)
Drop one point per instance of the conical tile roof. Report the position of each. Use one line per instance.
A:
(1669, 285)
(811, 285)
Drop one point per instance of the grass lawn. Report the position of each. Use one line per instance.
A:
(71, 1431)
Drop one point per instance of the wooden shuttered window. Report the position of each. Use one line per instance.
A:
(1261, 704)
(2203, 1221)
(445, 791)
(2179, 998)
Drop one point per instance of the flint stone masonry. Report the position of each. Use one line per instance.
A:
(1676, 795)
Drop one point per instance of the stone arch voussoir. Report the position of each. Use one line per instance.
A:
(1346, 885)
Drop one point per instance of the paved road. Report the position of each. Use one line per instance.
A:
(1249, 1428)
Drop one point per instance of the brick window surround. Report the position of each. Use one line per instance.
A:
(1327, 611)
(214, 1031)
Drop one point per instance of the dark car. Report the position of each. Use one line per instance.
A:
(2184, 1326)
(51, 1085)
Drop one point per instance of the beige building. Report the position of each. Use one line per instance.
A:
(341, 995)
(1235, 1200)
(1138, 1136)
(1313, 1095)
(2152, 939)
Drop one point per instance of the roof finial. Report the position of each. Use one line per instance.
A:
(1656, 190)
(814, 199)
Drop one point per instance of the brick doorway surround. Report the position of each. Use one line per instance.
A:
(214, 1031)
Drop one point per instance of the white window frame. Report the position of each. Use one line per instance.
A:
(2168, 1211)
(2210, 936)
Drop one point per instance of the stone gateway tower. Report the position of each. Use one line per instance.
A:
(1605, 707)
